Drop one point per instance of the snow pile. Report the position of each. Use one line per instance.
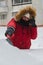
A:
(10, 55)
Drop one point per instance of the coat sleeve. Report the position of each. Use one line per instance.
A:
(33, 32)
(12, 24)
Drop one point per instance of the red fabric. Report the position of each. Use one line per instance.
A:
(23, 35)
(12, 23)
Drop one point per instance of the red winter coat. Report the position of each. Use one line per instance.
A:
(22, 35)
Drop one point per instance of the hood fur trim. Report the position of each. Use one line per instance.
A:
(27, 9)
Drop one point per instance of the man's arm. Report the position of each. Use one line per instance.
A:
(11, 26)
(33, 28)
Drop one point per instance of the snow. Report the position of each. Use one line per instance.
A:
(2, 32)
(10, 55)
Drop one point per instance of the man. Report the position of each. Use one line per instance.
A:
(22, 28)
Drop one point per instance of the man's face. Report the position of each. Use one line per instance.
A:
(26, 17)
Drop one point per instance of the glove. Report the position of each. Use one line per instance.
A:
(9, 31)
(32, 22)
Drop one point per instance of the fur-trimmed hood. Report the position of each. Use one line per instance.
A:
(28, 9)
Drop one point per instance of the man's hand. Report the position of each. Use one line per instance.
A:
(9, 31)
(32, 22)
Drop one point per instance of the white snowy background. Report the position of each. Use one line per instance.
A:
(10, 55)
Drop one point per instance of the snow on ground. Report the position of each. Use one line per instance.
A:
(10, 55)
